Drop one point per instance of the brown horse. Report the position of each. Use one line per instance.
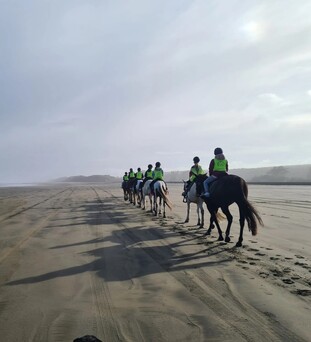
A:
(224, 192)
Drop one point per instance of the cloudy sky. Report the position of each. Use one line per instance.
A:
(96, 87)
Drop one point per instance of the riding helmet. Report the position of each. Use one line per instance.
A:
(149, 166)
(196, 159)
(158, 164)
(138, 169)
(218, 150)
(131, 170)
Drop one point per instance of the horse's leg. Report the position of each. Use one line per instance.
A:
(150, 201)
(242, 222)
(143, 201)
(164, 214)
(202, 214)
(160, 205)
(134, 198)
(139, 198)
(211, 225)
(220, 236)
(188, 212)
(214, 219)
(198, 215)
(155, 205)
(226, 211)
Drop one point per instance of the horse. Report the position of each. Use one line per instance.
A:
(160, 191)
(138, 192)
(125, 190)
(130, 187)
(146, 192)
(225, 191)
(192, 197)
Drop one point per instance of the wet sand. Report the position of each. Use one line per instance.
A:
(78, 260)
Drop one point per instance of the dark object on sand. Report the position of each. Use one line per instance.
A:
(87, 338)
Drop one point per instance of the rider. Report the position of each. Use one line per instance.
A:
(131, 174)
(148, 175)
(218, 167)
(132, 178)
(195, 170)
(138, 175)
(157, 174)
(125, 179)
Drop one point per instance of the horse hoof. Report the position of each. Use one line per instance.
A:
(220, 238)
(208, 232)
(227, 239)
(201, 226)
(238, 244)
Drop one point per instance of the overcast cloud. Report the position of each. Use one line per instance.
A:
(97, 87)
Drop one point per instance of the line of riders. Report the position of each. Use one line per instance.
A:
(218, 168)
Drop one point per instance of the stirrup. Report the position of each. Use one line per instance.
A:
(185, 199)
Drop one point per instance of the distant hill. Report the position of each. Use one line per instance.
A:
(89, 179)
(282, 174)
(286, 174)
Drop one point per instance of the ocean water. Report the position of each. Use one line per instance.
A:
(13, 185)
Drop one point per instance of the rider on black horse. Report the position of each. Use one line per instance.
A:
(132, 178)
(218, 167)
(125, 180)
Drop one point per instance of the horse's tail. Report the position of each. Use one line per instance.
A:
(250, 213)
(163, 193)
(219, 216)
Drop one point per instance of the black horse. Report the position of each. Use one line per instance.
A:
(125, 190)
(224, 192)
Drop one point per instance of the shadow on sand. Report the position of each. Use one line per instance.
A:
(130, 256)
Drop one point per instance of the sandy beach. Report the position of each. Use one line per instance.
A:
(78, 260)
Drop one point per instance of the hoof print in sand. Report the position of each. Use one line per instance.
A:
(302, 292)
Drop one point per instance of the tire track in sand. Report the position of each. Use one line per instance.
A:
(9, 255)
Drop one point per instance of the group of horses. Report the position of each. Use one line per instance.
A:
(225, 191)
(135, 193)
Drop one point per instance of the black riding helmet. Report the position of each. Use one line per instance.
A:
(131, 170)
(149, 166)
(196, 159)
(158, 164)
(218, 150)
(138, 169)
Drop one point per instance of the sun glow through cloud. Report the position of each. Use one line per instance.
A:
(254, 31)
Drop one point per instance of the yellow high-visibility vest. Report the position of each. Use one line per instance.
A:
(220, 165)
(139, 175)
